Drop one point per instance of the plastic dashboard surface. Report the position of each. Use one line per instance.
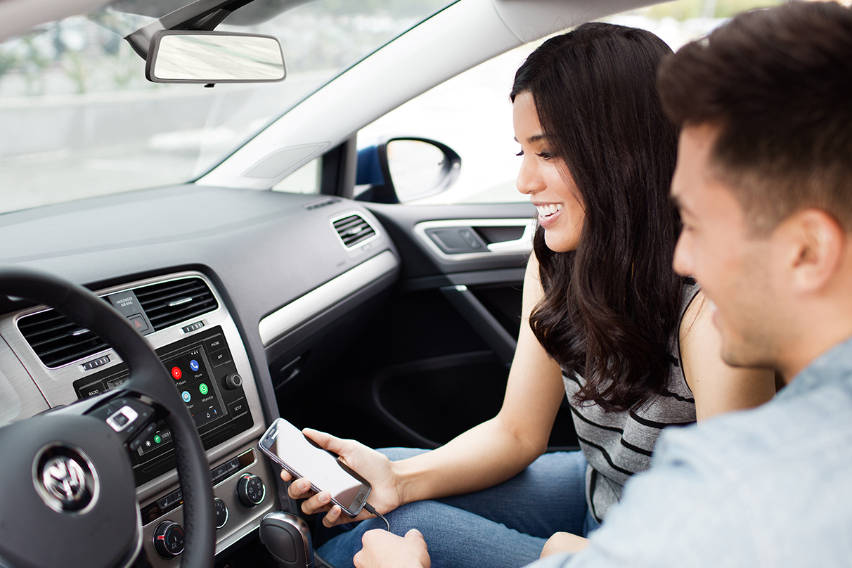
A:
(262, 250)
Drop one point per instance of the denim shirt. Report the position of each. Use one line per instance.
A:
(767, 487)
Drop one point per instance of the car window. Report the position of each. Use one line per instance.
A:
(471, 113)
(85, 121)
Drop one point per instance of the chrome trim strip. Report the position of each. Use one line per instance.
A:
(520, 246)
(319, 299)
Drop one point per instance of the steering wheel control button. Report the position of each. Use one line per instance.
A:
(176, 373)
(65, 479)
(222, 513)
(122, 418)
(250, 490)
(233, 381)
(186, 396)
(144, 439)
(168, 539)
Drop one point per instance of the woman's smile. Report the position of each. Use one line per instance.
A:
(548, 213)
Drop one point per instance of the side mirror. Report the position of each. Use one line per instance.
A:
(404, 169)
(177, 56)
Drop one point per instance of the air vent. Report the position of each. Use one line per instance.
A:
(57, 340)
(168, 303)
(353, 229)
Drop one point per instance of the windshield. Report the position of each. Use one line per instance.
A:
(80, 119)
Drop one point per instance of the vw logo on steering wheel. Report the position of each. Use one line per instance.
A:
(65, 479)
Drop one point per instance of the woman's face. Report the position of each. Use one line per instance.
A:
(546, 180)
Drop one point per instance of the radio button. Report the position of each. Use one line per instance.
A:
(233, 381)
(220, 357)
(237, 407)
(93, 390)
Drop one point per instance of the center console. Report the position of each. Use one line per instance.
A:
(207, 380)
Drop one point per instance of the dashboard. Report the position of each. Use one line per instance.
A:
(219, 282)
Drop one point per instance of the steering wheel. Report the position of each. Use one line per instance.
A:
(69, 497)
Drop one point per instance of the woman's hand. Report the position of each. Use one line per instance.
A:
(370, 464)
(564, 542)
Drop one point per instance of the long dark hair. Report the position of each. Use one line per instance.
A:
(611, 306)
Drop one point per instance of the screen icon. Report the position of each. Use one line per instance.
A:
(202, 388)
(176, 373)
(186, 396)
(194, 365)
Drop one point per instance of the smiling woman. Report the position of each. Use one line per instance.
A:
(88, 122)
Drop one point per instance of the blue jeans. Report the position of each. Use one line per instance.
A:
(505, 525)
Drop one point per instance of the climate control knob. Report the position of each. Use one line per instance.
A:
(250, 490)
(168, 539)
(221, 512)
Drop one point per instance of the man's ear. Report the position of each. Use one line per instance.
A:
(815, 244)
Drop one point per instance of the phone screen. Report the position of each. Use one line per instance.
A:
(286, 444)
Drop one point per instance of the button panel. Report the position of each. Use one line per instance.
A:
(218, 474)
(240, 520)
(199, 366)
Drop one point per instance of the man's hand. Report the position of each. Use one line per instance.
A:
(382, 549)
(564, 542)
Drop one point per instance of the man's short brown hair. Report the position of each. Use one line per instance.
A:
(777, 83)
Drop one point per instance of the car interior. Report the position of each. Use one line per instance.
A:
(347, 307)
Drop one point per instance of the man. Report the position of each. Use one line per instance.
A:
(764, 186)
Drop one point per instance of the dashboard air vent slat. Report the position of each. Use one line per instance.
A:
(353, 229)
(168, 303)
(57, 340)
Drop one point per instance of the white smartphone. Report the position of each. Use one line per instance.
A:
(287, 446)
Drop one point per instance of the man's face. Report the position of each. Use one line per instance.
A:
(717, 248)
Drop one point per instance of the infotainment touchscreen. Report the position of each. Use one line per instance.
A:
(199, 367)
(197, 388)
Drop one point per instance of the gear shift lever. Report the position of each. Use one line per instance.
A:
(287, 539)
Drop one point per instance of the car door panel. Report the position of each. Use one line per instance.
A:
(458, 314)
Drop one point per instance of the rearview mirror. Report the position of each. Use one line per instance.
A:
(177, 56)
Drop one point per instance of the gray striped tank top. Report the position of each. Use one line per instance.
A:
(618, 444)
